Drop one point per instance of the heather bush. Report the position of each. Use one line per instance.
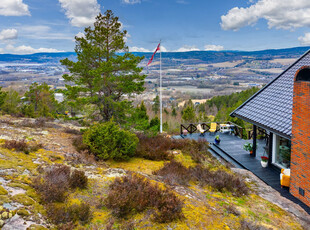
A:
(109, 141)
(55, 182)
(79, 144)
(22, 146)
(78, 179)
(134, 193)
(63, 215)
(174, 172)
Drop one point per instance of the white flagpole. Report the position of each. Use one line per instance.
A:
(160, 93)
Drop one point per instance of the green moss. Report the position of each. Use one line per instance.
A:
(18, 185)
(4, 199)
(23, 199)
(3, 191)
(36, 227)
(23, 212)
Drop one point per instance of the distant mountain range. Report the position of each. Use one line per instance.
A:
(205, 56)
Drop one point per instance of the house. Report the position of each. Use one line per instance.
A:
(282, 108)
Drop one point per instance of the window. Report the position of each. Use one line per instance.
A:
(303, 74)
(281, 152)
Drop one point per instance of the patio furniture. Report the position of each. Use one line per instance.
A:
(225, 128)
(213, 128)
(201, 130)
(285, 177)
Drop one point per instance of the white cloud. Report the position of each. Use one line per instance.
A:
(213, 47)
(131, 1)
(187, 49)
(80, 35)
(1, 50)
(281, 14)
(29, 50)
(13, 8)
(138, 49)
(81, 12)
(8, 34)
(304, 40)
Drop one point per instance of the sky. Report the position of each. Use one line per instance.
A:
(32, 26)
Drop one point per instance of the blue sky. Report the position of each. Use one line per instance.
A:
(29, 26)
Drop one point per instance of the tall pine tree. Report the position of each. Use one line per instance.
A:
(105, 73)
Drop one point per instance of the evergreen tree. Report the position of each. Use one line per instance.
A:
(102, 76)
(41, 101)
(156, 105)
(174, 112)
(11, 102)
(2, 96)
(189, 114)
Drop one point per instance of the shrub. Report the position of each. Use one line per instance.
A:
(136, 193)
(79, 144)
(220, 180)
(78, 179)
(108, 141)
(154, 148)
(174, 173)
(63, 215)
(56, 181)
(22, 146)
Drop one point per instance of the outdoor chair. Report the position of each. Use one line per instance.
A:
(285, 177)
(201, 130)
(213, 128)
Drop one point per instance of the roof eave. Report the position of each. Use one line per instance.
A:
(262, 126)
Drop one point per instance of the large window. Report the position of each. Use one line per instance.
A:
(281, 152)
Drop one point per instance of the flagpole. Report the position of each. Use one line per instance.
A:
(160, 93)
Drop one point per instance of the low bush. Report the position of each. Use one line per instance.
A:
(78, 179)
(174, 172)
(63, 215)
(72, 131)
(79, 144)
(55, 182)
(136, 193)
(22, 146)
(154, 148)
(109, 141)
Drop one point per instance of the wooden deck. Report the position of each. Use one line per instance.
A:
(231, 150)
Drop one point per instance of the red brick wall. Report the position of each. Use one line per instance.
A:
(300, 152)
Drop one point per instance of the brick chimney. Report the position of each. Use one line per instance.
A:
(300, 150)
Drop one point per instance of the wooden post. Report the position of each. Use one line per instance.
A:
(254, 139)
(270, 148)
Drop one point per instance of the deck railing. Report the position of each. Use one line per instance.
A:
(192, 127)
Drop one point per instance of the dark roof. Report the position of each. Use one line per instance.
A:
(271, 107)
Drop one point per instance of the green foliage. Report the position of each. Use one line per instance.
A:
(189, 114)
(139, 119)
(101, 76)
(108, 141)
(155, 124)
(156, 105)
(40, 101)
(12, 102)
(2, 96)
(174, 112)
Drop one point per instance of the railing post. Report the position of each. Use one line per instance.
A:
(254, 140)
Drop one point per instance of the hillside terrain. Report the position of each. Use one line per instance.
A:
(202, 205)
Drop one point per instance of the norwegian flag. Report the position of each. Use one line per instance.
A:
(150, 61)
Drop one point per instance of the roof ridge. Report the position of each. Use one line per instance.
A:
(266, 86)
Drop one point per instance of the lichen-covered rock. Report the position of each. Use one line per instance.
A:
(3, 191)
(5, 215)
(23, 199)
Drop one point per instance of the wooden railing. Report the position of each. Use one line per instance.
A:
(260, 132)
(192, 127)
